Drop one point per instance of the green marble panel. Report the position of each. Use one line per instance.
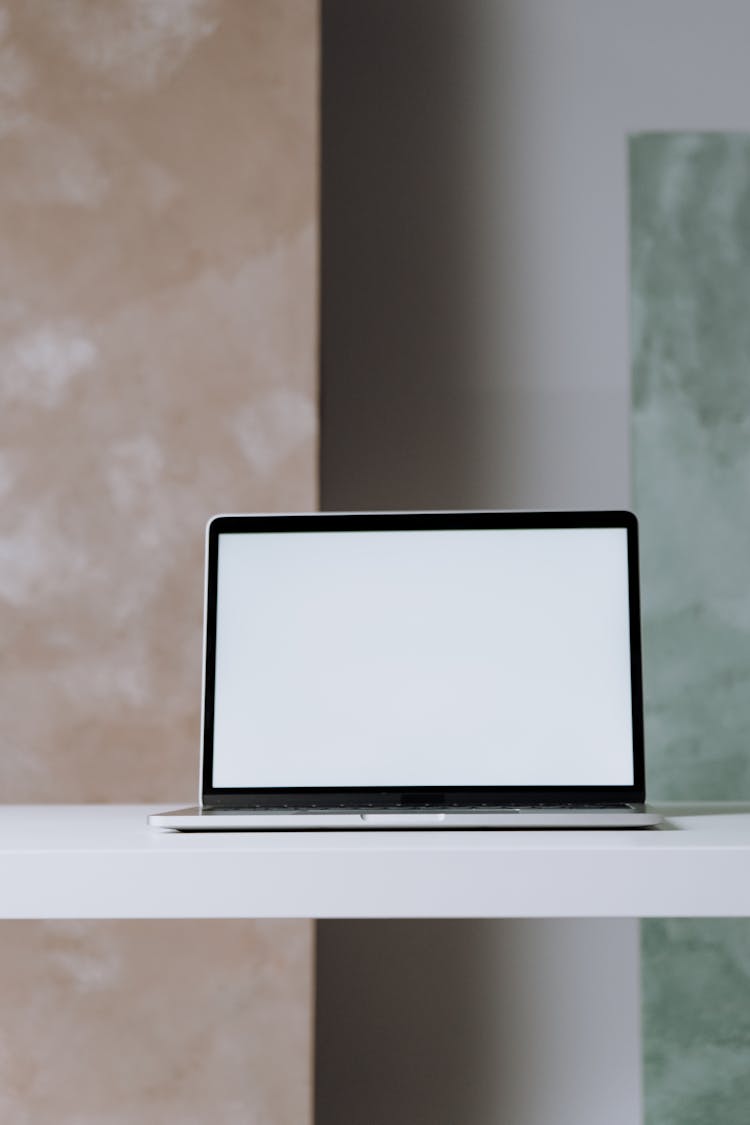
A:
(690, 325)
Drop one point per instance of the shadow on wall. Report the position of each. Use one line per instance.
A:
(402, 1073)
(442, 385)
(398, 254)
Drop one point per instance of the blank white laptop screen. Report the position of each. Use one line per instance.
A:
(489, 657)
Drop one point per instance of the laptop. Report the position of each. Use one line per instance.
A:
(441, 670)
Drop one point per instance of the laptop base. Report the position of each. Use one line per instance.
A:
(244, 820)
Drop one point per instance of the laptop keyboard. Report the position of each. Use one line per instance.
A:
(411, 809)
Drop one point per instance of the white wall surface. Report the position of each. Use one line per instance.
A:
(562, 83)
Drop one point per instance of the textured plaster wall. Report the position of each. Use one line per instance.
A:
(158, 206)
(690, 253)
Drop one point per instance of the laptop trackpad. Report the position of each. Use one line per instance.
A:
(402, 819)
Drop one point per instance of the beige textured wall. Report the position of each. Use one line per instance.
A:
(158, 206)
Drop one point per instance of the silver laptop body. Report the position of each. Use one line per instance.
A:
(412, 670)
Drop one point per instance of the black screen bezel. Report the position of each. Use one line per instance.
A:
(427, 797)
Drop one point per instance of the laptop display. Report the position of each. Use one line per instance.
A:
(424, 659)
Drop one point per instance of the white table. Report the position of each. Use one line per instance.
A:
(564, 997)
(103, 861)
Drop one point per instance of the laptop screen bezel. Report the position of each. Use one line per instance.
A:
(427, 797)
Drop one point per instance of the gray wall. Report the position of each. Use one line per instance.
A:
(423, 405)
(475, 236)
(398, 262)
(475, 285)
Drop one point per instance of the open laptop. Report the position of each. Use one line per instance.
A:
(421, 670)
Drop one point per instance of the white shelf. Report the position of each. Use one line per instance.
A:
(103, 861)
